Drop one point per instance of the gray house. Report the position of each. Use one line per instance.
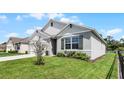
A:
(63, 37)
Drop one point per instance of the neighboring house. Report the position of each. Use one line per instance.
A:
(63, 37)
(17, 44)
(3, 47)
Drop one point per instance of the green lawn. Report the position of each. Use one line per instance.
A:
(58, 68)
(3, 54)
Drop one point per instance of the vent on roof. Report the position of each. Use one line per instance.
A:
(51, 23)
(70, 25)
(36, 31)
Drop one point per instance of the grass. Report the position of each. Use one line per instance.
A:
(4, 54)
(58, 68)
(115, 72)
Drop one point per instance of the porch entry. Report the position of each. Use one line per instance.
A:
(54, 46)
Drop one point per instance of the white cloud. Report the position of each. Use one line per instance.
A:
(66, 20)
(38, 16)
(55, 15)
(114, 31)
(3, 17)
(18, 18)
(30, 31)
(81, 24)
(37, 27)
(12, 35)
(122, 37)
(72, 19)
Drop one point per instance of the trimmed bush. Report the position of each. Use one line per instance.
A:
(70, 54)
(26, 52)
(14, 51)
(78, 55)
(81, 56)
(74, 54)
(60, 55)
(121, 48)
(2, 50)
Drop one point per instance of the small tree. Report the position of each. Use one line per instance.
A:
(40, 47)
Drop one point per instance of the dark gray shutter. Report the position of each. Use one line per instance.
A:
(81, 42)
(62, 43)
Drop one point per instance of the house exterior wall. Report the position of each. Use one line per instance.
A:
(72, 30)
(32, 48)
(2, 47)
(56, 25)
(98, 48)
(23, 48)
(86, 44)
(10, 46)
(53, 30)
(93, 46)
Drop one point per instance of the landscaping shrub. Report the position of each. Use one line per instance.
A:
(2, 50)
(78, 55)
(26, 52)
(60, 54)
(14, 51)
(121, 48)
(70, 54)
(74, 54)
(81, 56)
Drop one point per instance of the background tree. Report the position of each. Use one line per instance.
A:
(111, 43)
(40, 47)
(122, 42)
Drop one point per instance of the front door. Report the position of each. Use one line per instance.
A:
(53, 41)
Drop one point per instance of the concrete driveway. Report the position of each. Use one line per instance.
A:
(16, 57)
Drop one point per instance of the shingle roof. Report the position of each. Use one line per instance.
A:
(25, 40)
(18, 40)
(3, 45)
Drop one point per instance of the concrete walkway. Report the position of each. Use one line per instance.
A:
(16, 57)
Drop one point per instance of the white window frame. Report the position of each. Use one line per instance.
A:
(70, 42)
(75, 42)
(67, 43)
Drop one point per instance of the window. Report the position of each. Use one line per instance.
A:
(68, 43)
(51, 23)
(75, 42)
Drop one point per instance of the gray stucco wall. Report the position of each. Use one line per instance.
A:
(86, 43)
(55, 29)
(72, 30)
(98, 48)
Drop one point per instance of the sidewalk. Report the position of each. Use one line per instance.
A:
(16, 57)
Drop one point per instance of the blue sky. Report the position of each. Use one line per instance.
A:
(23, 25)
